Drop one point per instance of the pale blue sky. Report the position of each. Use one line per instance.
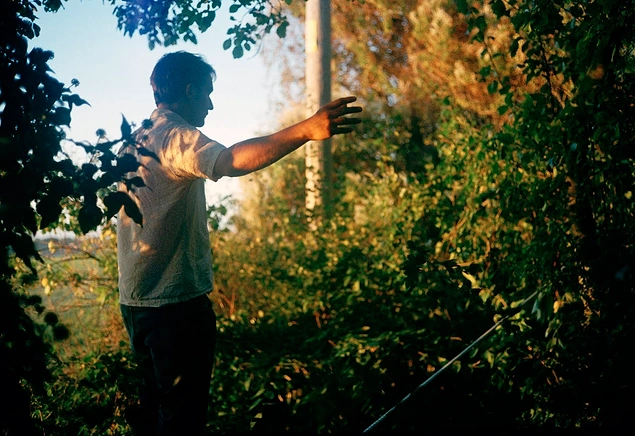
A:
(114, 72)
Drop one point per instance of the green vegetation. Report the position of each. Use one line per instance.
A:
(496, 161)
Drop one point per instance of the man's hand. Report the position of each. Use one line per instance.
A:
(331, 119)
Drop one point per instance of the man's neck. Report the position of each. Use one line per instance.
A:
(177, 107)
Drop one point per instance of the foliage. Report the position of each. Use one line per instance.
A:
(536, 196)
(90, 394)
(165, 22)
(92, 389)
(35, 107)
(571, 142)
(54, 192)
(444, 225)
(367, 308)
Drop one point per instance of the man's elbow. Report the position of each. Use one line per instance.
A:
(225, 166)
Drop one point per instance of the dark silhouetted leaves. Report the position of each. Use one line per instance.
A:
(89, 170)
(126, 129)
(74, 99)
(49, 209)
(61, 116)
(134, 182)
(51, 319)
(60, 332)
(145, 152)
(127, 163)
(116, 200)
(89, 217)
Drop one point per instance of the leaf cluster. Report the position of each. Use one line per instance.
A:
(519, 181)
(534, 196)
(39, 186)
(165, 22)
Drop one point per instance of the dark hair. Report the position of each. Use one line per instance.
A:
(174, 72)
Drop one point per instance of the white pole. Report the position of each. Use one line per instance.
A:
(318, 92)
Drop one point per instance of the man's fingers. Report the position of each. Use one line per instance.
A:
(337, 112)
(335, 104)
(344, 110)
(344, 101)
(341, 125)
(347, 120)
(341, 130)
(349, 110)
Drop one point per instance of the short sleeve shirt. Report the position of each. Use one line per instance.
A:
(167, 259)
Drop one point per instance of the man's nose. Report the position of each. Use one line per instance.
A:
(210, 106)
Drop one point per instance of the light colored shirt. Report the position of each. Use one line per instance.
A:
(167, 259)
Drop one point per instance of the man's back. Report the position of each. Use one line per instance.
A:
(168, 259)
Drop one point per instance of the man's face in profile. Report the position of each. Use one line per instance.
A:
(199, 102)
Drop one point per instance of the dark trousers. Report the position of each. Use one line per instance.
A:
(174, 348)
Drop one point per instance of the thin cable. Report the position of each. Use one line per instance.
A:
(458, 356)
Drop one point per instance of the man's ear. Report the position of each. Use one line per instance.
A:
(190, 91)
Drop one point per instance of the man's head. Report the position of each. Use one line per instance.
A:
(183, 82)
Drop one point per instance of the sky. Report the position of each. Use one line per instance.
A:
(114, 70)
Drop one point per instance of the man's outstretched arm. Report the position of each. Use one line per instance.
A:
(257, 153)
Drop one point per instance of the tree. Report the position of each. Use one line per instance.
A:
(165, 22)
(34, 108)
(572, 137)
(530, 189)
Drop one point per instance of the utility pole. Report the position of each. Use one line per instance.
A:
(318, 160)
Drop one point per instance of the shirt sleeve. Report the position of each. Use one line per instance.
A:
(188, 153)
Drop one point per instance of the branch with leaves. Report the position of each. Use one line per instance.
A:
(165, 22)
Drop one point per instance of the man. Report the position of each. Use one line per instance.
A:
(165, 268)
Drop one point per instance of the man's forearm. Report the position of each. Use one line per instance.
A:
(257, 153)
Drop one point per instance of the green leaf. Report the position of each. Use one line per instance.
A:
(60, 332)
(24, 248)
(492, 87)
(89, 169)
(132, 210)
(513, 49)
(498, 7)
(227, 44)
(51, 319)
(485, 71)
(281, 31)
(462, 6)
(234, 8)
(237, 52)
(116, 200)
